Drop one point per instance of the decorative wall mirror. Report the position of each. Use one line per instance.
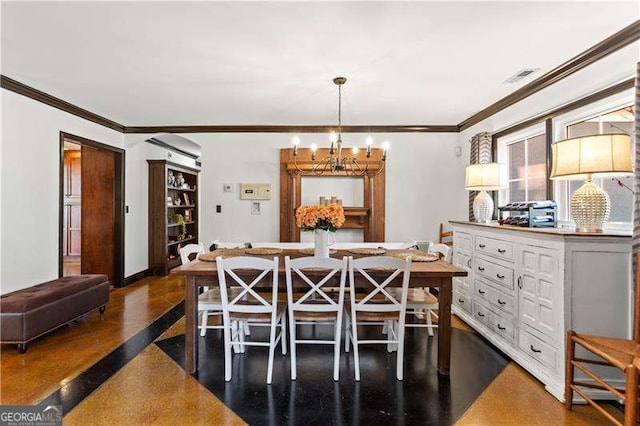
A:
(299, 185)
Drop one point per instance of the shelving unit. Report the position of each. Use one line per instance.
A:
(165, 234)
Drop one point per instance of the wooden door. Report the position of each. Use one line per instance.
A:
(98, 211)
(72, 203)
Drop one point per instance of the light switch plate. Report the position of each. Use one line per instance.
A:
(227, 187)
(255, 191)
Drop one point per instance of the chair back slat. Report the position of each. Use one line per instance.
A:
(188, 250)
(369, 268)
(315, 272)
(248, 300)
(442, 250)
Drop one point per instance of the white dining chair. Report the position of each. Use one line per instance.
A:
(308, 302)
(250, 307)
(209, 302)
(420, 302)
(376, 304)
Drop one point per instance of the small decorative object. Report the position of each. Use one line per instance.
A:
(171, 179)
(169, 201)
(484, 177)
(340, 201)
(322, 200)
(334, 200)
(179, 180)
(187, 215)
(583, 158)
(322, 220)
(177, 201)
(179, 219)
(187, 202)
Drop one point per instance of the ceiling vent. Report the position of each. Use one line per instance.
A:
(521, 75)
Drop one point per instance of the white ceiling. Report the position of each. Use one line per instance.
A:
(179, 63)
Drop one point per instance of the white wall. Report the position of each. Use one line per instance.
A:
(30, 186)
(422, 174)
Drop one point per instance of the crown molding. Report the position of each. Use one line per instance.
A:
(47, 99)
(611, 44)
(420, 128)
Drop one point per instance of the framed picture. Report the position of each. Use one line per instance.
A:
(187, 215)
(186, 199)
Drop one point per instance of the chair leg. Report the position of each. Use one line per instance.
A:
(283, 333)
(272, 349)
(400, 349)
(356, 355)
(427, 315)
(227, 350)
(631, 396)
(347, 334)
(385, 327)
(568, 374)
(336, 348)
(292, 339)
(247, 330)
(240, 336)
(203, 324)
(390, 333)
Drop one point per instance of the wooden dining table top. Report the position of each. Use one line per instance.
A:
(435, 269)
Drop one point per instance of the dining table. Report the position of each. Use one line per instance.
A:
(433, 274)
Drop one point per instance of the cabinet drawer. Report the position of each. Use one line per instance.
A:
(461, 284)
(482, 313)
(462, 301)
(492, 247)
(498, 298)
(537, 349)
(462, 260)
(503, 326)
(498, 274)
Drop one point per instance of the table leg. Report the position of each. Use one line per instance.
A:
(191, 319)
(444, 326)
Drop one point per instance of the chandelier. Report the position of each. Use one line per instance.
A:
(336, 162)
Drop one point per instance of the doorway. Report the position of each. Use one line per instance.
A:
(91, 209)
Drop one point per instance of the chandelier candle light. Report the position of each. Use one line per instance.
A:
(321, 220)
(587, 157)
(336, 162)
(484, 177)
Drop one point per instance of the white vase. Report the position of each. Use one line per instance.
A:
(321, 248)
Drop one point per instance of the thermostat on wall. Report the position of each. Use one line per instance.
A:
(255, 191)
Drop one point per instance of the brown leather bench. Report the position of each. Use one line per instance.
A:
(31, 312)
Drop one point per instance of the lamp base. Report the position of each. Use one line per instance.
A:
(483, 207)
(590, 207)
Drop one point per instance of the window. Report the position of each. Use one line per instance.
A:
(619, 120)
(527, 167)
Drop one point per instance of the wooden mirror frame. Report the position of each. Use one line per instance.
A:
(369, 218)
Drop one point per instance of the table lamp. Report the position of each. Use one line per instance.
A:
(586, 157)
(484, 177)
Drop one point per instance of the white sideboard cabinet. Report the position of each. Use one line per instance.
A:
(527, 287)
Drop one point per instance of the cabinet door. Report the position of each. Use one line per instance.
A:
(462, 251)
(539, 288)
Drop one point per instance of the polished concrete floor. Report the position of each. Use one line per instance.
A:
(112, 372)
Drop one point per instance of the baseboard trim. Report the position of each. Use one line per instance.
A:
(136, 277)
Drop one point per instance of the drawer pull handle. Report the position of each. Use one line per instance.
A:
(481, 245)
(520, 282)
(534, 349)
(480, 314)
(480, 268)
(502, 251)
(500, 276)
(460, 300)
(469, 262)
(500, 302)
(501, 328)
(481, 291)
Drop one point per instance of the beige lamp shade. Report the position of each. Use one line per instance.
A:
(602, 155)
(485, 177)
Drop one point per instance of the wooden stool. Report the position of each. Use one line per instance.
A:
(617, 353)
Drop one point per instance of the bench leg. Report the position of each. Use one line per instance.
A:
(102, 309)
(22, 347)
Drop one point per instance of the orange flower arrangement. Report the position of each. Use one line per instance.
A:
(328, 218)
